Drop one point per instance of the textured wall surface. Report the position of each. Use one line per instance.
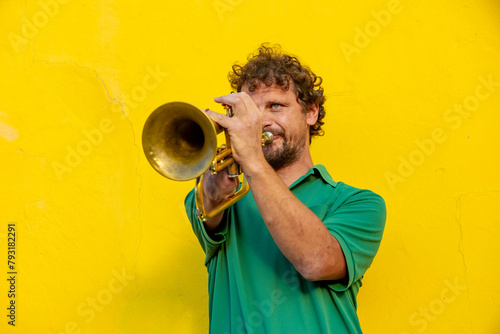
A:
(102, 244)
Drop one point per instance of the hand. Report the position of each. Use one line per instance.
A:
(244, 128)
(219, 187)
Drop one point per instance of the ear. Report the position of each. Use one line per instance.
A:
(312, 114)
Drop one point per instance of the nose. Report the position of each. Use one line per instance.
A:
(267, 119)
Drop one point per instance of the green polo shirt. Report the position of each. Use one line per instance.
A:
(253, 288)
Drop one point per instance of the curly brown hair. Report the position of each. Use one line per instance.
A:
(270, 65)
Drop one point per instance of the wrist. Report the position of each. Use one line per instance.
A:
(256, 167)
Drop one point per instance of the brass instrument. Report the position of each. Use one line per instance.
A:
(180, 142)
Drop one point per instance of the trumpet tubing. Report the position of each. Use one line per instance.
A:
(180, 142)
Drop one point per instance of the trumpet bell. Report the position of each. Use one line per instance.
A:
(179, 141)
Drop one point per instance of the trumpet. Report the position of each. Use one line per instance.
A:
(180, 142)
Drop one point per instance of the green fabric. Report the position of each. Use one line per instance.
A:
(253, 288)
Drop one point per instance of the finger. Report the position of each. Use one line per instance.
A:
(236, 184)
(231, 99)
(220, 119)
(226, 99)
(240, 102)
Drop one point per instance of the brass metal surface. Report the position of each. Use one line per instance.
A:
(180, 142)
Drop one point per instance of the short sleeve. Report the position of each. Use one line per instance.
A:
(358, 224)
(209, 244)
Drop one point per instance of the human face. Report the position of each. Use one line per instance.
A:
(285, 118)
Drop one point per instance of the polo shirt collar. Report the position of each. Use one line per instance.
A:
(318, 170)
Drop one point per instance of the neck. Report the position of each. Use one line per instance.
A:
(289, 174)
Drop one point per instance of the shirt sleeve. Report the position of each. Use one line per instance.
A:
(358, 224)
(209, 243)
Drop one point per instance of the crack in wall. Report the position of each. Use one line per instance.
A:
(137, 149)
(87, 68)
(461, 250)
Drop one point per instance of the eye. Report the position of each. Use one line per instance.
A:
(275, 105)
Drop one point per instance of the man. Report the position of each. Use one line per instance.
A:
(290, 255)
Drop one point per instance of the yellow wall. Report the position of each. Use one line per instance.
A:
(102, 243)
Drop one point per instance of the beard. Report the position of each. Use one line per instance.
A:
(283, 156)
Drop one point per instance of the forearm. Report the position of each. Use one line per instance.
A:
(298, 232)
(211, 224)
(217, 189)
